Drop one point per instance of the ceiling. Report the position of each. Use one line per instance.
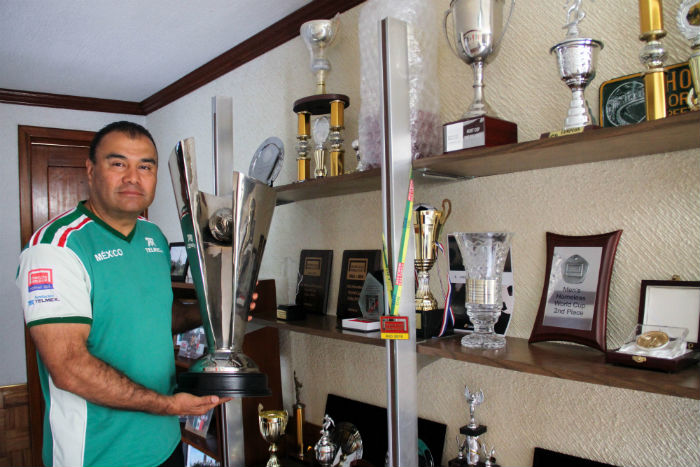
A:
(122, 49)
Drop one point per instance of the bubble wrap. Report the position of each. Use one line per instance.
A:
(426, 131)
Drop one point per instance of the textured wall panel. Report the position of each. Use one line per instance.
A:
(654, 199)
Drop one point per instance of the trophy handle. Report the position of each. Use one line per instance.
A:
(693, 103)
(447, 36)
(505, 28)
(446, 210)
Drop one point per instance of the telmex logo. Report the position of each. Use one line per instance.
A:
(107, 254)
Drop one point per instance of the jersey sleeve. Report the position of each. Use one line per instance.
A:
(54, 286)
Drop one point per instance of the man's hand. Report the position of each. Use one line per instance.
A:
(187, 404)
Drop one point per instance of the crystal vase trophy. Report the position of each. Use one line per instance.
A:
(484, 256)
(478, 31)
(225, 239)
(318, 35)
(427, 225)
(688, 20)
(576, 58)
(272, 424)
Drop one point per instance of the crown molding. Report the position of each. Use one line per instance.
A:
(62, 101)
(277, 34)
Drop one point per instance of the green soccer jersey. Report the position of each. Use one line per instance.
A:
(77, 269)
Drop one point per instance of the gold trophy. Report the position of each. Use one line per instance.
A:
(272, 424)
(653, 55)
(299, 418)
(318, 35)
(688, 20)
(427, 225)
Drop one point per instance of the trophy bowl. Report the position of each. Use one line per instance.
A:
(577, 59)
(484, 256)
(318, 35)
(272, 424)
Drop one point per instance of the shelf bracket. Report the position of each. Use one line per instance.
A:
(427, 173)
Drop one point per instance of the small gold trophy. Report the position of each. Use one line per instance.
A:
(427, 225)
(653, 55)
(318, 35)
(272, 424)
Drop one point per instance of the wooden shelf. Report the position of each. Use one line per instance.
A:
(674, 133)
(319, 325)
(571, 362)
(208, 446)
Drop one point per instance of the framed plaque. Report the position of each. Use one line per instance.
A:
(574, 299)
(356, 265)
(315, 273)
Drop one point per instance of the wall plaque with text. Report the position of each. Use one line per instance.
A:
(315, 273)
(356, 265)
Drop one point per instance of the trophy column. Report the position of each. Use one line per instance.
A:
(653, 56)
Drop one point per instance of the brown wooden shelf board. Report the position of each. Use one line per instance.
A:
(355, 182)
(673, 133)
(319, 325)
(207, 446)
(572, 362)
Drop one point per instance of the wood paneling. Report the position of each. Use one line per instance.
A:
(14, 426)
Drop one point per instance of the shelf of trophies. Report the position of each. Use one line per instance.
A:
(674, 133)
(557, 360)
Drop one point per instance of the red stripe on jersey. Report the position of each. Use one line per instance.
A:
(37, 235)
(64, 237)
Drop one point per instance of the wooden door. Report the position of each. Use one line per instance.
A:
(52, 180)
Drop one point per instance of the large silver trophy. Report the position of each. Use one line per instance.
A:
(225, 238)
(577, 57)
(478, 32)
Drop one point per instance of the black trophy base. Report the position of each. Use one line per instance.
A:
(223, 384)
(456, 462)
(467, 431)
(428, 324)
(290, 312)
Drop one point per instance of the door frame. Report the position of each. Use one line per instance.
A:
(27, 137)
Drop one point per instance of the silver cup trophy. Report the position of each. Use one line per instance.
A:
(576, 58)
(688, 20)
(225, 239)
(478, 31)
(318, 35)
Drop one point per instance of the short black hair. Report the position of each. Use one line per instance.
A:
(133, 130)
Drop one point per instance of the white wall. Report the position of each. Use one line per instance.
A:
(11, 319)
(654, 199)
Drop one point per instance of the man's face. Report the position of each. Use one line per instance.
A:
(123, 177)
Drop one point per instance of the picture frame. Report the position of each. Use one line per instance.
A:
(199, 424)
(574, 302)
(178, 262)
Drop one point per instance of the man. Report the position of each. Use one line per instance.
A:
(98, 302)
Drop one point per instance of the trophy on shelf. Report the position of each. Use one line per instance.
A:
(688, 19)
(225, 238)
(478, 31)
(576, 59)
(299, 418)
(653, 55)
(484, 256)
(469, 444)
(326, 134)
(428, 222)
(272, 424)
(325, 449)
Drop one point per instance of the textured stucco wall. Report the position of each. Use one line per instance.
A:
(654, 199)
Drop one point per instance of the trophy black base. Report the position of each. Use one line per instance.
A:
(223, 384)
(478, 131)
(290, 312)
(467, 431)
(457, 462)
(428, 324)
(319, 104)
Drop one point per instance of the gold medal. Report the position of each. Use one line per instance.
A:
(652, 340)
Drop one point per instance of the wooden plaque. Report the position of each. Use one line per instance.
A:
(315, 273)
(574, 299)
(356, 265)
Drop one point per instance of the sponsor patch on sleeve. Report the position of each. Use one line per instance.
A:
(40, 279)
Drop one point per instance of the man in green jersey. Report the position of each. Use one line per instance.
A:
(98, 302)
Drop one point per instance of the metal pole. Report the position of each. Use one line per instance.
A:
(232, 449)
(401, 354)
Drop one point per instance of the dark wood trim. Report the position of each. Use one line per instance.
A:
(283, 30)
(60, 101)
(28, 135)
